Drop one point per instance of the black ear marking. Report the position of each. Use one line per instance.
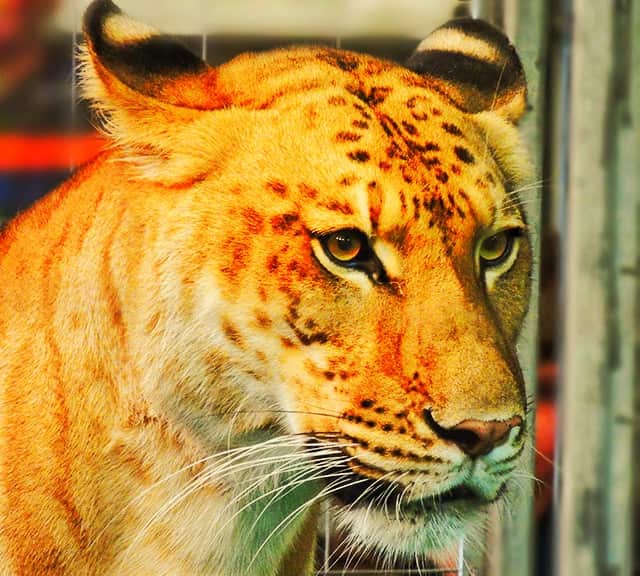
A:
(475, 65)
(137, 55)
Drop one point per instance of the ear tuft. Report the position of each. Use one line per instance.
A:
(126, 53)
(475, 65)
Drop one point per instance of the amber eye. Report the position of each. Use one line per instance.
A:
(350, 248)
(495, 249)
(345, 245)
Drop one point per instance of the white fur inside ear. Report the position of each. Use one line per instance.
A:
(119, 29)
(504, 140)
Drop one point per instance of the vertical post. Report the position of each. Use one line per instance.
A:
(594, 521)
(530, 37)
(624, 185)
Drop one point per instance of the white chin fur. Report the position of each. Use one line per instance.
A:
(409, 533)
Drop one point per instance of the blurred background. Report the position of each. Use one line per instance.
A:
(574, 508)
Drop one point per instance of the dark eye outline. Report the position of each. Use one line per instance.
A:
(512, 234)
(365, 260)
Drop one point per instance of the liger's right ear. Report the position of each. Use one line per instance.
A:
(476, 66)
(127, 61)
(149, 93)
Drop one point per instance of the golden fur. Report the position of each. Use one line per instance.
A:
(175, 301)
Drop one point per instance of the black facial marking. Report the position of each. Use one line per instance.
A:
(340, 60)
(410, 128)
(452, 129)
(375, 96)
(307, 339)
(430, 162)
(420, 112)
(463, 154)
(283, 221)
(337, 101)
(359, 155)
(416, 204)
(347, 137)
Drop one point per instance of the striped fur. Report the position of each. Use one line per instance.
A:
(474, 64)
(187, 371)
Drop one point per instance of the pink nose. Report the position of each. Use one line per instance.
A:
(475, 437)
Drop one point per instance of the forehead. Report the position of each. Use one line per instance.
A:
(393, 143)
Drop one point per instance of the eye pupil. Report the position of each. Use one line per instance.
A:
(495, 248)
(344, 245)
(350, 248)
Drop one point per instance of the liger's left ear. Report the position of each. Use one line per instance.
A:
(128, 60)
(476, 66)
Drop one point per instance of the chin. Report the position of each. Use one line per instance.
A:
(425, 528)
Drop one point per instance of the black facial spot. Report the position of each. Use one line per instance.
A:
(347, 137)
(464, 154)
(452, 129)
(359, 156)
(410, 128)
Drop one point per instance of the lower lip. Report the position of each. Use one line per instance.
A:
(364, 493)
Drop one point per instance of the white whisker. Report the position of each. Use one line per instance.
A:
(281, 441)
(291, 516)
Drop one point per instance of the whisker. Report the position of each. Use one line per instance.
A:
(528, 476)
(282, 441)
(336, 415)
(193, 487)
(544, 457)
(291, 516)
(232, 423)
(516, 202)
(365, 492)
(291, 486)
(229, 467)
(528, 187)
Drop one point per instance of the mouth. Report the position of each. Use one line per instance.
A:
(357, 490)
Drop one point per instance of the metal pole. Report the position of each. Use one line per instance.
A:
(594, 520)
(530, 37)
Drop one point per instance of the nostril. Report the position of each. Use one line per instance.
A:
(476, 437)
(468, 440)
